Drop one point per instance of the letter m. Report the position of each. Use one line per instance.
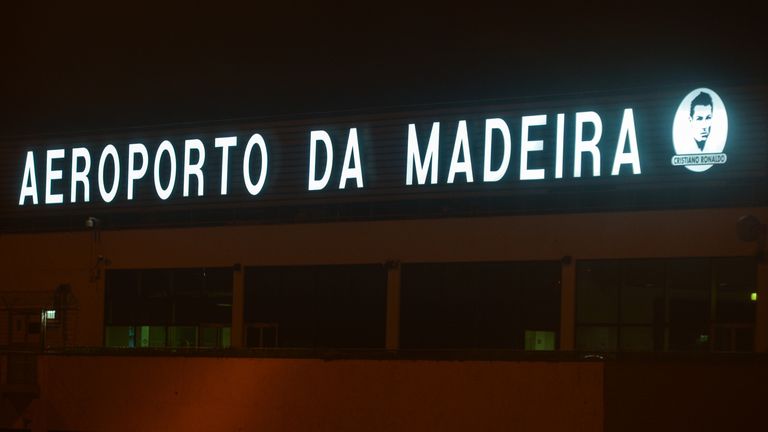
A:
(429, 163)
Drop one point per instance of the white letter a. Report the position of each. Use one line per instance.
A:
(29, 184)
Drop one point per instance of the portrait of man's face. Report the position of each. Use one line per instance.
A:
(700, 130)
(701, 122)
(700, 118)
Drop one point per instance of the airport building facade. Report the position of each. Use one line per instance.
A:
(462, 266)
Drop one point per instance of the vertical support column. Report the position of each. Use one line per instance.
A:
(39, 405)
(99, 286)
(392, 339)
(95, 277)
(567, 304)
(761, 319)
(238, 306)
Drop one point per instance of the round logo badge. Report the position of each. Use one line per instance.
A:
(700, 130)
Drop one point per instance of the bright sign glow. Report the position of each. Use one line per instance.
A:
(80, 176)
(51, 175)
(582, 146)
(429, 163)
(352, 168)
(700, 131)
(627, 135)
(489, 174)
(255, 188)
(165, 148)
(133, 172)
(314, 137)
(553, 146)
(461, 150)
(109, 152)
(527, 145)
(193, 169)
(224, 144)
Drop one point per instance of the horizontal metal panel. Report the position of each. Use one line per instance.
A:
(383, 138)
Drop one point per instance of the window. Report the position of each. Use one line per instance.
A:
(696, 304)
(340, 306)
(735, 309)
(179, 308)
(499, 305)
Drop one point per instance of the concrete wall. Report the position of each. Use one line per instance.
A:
(692, 395)
(241, 394)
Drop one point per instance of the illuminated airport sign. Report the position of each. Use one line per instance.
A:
(700, 131)
(503, 147)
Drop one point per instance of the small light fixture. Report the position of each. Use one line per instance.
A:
(50, 314)
(753, 296)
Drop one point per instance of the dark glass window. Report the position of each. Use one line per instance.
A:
(501, 305)
(331, 306)
(734, 307)
(691, 304)
(154, 308)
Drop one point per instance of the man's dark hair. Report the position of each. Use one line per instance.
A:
(701, 99)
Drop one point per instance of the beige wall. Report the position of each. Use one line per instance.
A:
(42, 261)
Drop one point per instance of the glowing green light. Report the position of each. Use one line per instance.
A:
(753, 296)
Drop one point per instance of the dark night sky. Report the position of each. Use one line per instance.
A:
(73, 69)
